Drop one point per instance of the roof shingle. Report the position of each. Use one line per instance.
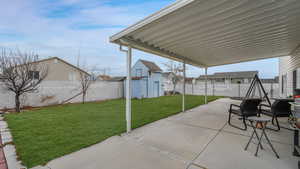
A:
(151, 66)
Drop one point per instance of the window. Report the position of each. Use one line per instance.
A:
(34, 75)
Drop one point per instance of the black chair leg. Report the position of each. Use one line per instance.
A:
(229, 118)
(277, 123)
(244, 122)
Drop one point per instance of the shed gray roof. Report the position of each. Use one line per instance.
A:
(274, 80)
(151, 66)
(241, 74)
(117, 78)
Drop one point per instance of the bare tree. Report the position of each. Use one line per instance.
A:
(21, 73)
(176, 69)
(86, 79)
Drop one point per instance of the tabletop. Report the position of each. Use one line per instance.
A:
(259, 119)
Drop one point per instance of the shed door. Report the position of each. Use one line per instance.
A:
(156, 89)
(146, 89)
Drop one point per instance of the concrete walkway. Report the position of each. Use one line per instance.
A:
(199, 138)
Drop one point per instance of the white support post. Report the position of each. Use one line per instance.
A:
(205, 85)
(128, 90)
(183, 88)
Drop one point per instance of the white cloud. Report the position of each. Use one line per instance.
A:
(58, 36)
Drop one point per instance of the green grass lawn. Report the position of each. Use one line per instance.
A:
(44, 134)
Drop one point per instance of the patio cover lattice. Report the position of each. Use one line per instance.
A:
(207, 33)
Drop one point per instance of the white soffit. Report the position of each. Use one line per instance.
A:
(209, 33)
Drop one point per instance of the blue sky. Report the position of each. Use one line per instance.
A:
(62, 27)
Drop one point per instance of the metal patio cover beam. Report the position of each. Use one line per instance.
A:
(217, 32)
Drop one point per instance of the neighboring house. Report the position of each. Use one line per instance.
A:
(190, 80)
(59, 70)
(229, 77)
(103, 77)
(274, 80)
(147, 80)
(289, 74)
(117, 78)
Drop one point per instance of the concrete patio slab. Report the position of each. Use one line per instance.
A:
(227, 151)
(194, 166)
(183, 140)
(196, 139)
(220, 107)
(234, 130)
(202, 119)
(282, 136)
(41, 167)
(116, 153)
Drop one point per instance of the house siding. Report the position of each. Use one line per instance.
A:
(60, 71)
(287, 65)
(146, 86)
(139, 66)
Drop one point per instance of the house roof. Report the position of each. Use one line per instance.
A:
(103, 77)
(240, 74)
(122, 78)
(151, 66)
(116, 78)
(274, 80)
(213, 32)
(189, 79)
(65, 62)
(136, 78)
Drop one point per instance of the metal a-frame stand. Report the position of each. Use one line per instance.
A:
(256, 84)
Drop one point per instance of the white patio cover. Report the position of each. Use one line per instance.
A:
(208, 33)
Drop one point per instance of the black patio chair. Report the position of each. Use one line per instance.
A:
(248, 107)
(280, 108)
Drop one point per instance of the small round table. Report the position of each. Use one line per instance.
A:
(260, 123)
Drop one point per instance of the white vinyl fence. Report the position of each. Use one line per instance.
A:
(56, 92)
(221, 89)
